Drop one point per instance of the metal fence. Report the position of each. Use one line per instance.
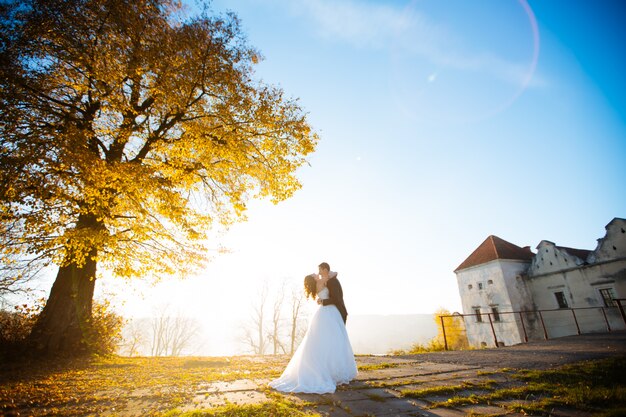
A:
(495, 318)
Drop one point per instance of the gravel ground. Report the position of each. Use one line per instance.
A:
(536, 355)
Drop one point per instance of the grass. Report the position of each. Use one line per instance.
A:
(378, 366)
(161, 387)
(274, 409)
(490, 398)
(393, 384)
(595, 386)
(477, 414)
(376, 397)
(97, 385)
(448, 389)
(485, 373)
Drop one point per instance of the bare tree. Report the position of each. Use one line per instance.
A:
(158, 328)
(275, 331)
(134, 337)
(171, 334)
(298, 328)
(254, 337)
(284, 329)
(180, 334)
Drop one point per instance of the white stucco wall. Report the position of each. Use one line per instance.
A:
(550, 258)
(502, 288)
(581, 287)
(613, 244)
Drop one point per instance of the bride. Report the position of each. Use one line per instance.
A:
(324, 358)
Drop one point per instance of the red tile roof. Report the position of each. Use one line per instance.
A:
(495, 248)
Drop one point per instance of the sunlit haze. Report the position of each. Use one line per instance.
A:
(440, 123)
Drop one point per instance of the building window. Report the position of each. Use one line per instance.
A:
(495, 313)
(480, 285)
(490, 282)
(469, 287)
(608, 296)
(479, 318)
(560, 299)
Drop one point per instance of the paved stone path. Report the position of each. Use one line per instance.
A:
(377, 391)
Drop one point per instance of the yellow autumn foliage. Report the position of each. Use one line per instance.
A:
(128, 129)
(455, 334)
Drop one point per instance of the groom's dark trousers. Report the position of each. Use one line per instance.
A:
(336, 297)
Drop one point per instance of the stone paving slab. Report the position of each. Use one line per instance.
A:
(555, 412)
(413, 369)
(329, 411)
(377, 359)
(239, 385)
(138, 405)
(378, 408)
(378, 391)
(568, 412)
(342, 396)
(218, 399)
(485, 409)
(442, 412)
(433, 379)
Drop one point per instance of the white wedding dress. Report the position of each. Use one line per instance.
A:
(324, 358)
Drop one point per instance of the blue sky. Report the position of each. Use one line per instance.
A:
(441, 122)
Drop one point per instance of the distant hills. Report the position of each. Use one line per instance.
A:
(369, 334)
(379, 334)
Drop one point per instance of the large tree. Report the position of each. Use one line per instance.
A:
(128, 129)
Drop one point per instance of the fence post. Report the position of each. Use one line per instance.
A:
(617, 301)
(545, 332)
(443, 328)
(493, 330)
(521, 318)
(576, 321)
(621, 308)
(606, 320)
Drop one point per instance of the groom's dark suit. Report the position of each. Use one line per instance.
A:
(336, 297)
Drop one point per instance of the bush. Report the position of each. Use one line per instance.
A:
(16, 324)
(456, 336)
(432, 346)
(105, 332)
(102, 336)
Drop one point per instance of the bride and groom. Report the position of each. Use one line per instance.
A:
(324, 358)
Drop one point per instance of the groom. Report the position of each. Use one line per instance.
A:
(334, 289)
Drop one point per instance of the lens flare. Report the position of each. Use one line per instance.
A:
(465, 70)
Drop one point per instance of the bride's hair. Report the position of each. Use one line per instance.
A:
(310, 286)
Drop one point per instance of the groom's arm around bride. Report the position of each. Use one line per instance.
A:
(336, 297)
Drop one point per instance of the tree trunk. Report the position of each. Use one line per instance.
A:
(63, 325)
(293, 336)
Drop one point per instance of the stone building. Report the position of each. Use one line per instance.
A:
(502, 286)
